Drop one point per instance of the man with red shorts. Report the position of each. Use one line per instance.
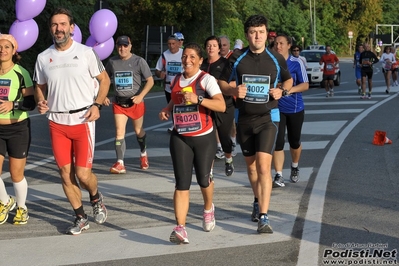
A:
(330, 62)
(126, 71)
(71, 86)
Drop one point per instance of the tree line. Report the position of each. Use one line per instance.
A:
(333, 20)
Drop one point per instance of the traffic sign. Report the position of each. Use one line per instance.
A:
(350, 34)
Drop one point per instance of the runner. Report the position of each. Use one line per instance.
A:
(257, 72)
(169, 65)
(329, 62)
(214, 64)
(387, 59)
(192, 144)
(358, 67)
(66, 76)
(126, 70)
(367, 60)
(292, 113)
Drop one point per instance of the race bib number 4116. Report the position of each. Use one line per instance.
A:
(257, 88)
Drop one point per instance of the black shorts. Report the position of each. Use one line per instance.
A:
(386, 70)
(15, 139)
(367, 73)
(328, 77)
(257, 137)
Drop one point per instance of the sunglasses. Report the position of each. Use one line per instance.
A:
(296, 50)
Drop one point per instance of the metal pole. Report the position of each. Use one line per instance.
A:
(212, 32)
(311, 21)
(146, 42)
(101, 4)
(161, 31)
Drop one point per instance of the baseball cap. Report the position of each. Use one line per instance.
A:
(179, 35)
(272, 34)
(9, 38)
(173, 37)
(123, 40)
(238, 44)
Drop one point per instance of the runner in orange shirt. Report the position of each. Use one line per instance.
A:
(330, 62)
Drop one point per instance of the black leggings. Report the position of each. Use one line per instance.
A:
(224, 128)
(187, 152)
(294, 123)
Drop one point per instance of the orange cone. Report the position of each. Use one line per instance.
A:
(388, 141)
(379, 137)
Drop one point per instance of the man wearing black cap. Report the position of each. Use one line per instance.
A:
(126, 71)
(169, 65)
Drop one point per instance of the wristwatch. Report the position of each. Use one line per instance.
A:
(285, 92)
(99, 106)
(200, 99)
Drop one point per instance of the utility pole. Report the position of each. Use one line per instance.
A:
(311, 21)
(212, 32)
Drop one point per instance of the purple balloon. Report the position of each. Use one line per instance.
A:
(104, 49)
(90, 41)
(28, 9)
(25, 32)
(103, 25)
(77, 34)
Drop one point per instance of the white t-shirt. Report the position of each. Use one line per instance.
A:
(172, 66)
(384, 58)
(70, 78)
(208, 82)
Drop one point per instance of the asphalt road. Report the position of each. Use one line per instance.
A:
(346, 199)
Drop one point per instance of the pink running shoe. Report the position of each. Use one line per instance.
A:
(209, 221)
(179, 235)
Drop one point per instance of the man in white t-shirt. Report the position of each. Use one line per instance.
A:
(169, 65)
(72, 85)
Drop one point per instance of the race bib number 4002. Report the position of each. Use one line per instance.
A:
(257, 88)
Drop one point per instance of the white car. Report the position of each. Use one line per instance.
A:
(315, 70)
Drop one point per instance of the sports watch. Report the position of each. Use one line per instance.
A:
(200, 99)
(99, 106)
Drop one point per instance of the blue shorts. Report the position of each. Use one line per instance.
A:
(358, 73)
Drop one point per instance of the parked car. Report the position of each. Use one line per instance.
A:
(315, 70)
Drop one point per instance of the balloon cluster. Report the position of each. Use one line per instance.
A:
(102, 26)
(25, 29)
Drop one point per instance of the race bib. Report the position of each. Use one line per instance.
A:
(388, 66)
(329, 67)
(123, 80)
(257, 88)
(5, 85)
(173, 68)
(186, 118)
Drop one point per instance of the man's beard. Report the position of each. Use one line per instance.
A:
(63, 40)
